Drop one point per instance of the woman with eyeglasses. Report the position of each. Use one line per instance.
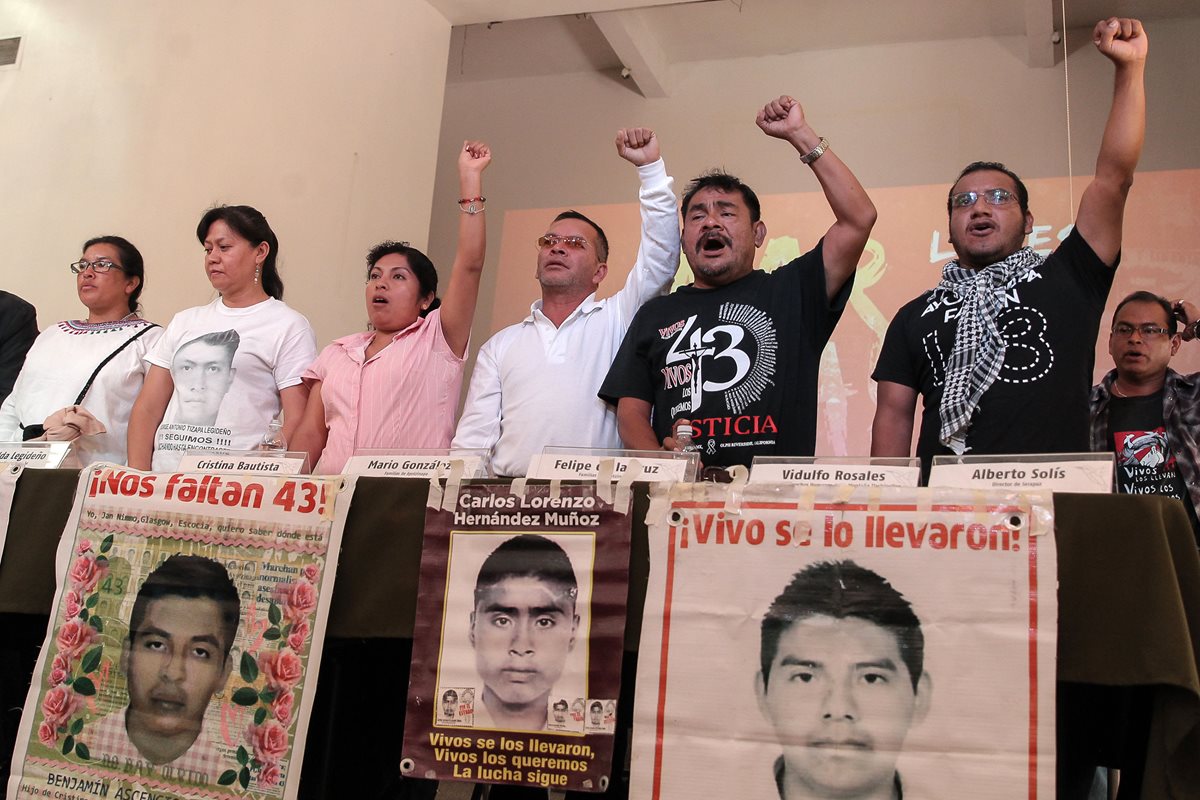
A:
(222, 372)
(396, 386)
(81, 377)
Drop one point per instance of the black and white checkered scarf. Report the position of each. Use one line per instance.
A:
(978, 352)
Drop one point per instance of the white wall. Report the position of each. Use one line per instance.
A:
(903, 114)
(134, 116)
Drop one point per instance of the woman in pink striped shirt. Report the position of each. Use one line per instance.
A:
(396, 385)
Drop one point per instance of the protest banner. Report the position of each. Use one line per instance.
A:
(847, 642)
(517, 645)
(185, 637)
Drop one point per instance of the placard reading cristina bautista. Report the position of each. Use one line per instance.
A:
(183, 649)
(847, 643)
(517, 646)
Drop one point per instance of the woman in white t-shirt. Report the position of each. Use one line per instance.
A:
(221, 372)
(81, 376)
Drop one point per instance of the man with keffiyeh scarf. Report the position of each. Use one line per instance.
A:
(1002, 349)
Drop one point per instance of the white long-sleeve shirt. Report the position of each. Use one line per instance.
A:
(535, 384)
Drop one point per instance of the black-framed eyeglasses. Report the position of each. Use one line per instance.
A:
(993, 197)
(551, 240)
(100, 265)
(1147, 330)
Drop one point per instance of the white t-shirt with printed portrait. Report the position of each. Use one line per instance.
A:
(228, 366)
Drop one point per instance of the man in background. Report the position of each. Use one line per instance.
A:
(1146, 412)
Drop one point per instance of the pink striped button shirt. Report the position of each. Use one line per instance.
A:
(404, 397)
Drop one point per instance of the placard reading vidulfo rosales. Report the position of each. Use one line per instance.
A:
(185, 637)
(517, 645)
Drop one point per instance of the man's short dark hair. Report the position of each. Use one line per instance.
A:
(560, 705)
(595, 706)
(449, 696)
(602, 251)
(527, 556)
(842, 589)
(995, 166)
(724, 182)
(192, 578)
(1142, 296)
(228, 340)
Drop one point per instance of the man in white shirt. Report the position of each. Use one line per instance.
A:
(535, 382)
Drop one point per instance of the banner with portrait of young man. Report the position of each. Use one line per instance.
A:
(520, 625)
(847, 642)
(185, 637)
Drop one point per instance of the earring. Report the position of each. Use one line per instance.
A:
(257, 269)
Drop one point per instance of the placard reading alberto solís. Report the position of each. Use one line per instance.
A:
(518, 639)
(185, 639)
(818, 643)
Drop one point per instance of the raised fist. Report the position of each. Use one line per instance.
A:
(638, 146)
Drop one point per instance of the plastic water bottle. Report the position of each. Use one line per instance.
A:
(684, 443)
(273, 441)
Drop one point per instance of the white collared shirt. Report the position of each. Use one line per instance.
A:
(535, 384)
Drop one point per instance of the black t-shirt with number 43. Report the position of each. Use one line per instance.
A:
(739, 361)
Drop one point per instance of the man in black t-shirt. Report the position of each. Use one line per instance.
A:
(1002, 349)
(735, 354)
(1146, 412)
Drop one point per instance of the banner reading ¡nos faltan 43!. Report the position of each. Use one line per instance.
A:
(185, 637)
(847, 642)
(519, 632)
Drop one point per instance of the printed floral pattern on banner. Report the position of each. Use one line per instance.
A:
(79, 653)
(270, 681)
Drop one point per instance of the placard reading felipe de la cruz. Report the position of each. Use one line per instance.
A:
(517, 644)
(549, 466)
(884, 642)
(185, 637)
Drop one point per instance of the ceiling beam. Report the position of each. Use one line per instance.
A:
(471, 12)
(1039, 33)
(638, 49)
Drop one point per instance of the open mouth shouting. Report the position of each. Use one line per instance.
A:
(713, 243)
(982, 227)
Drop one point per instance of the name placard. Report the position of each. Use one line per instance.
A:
(1092, 476)
(818, 474)
(413, 466)
(34, 455)
(256, 463)
(581, 467)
